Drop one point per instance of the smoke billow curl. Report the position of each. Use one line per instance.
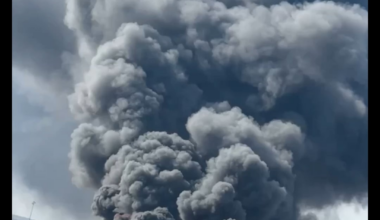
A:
(207, 109)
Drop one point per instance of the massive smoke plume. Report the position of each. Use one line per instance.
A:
(219, 109)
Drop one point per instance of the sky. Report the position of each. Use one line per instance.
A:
(41, 125)
(58, 58)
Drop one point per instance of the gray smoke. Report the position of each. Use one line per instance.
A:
(216, 110)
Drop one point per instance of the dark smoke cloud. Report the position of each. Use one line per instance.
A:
(236, 185)
(205, 109)
(308, 216)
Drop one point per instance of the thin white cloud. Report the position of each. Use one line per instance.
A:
(345, 211)
(39, 92)
(22, 198)
(352, 212)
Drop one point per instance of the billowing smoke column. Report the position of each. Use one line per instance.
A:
(219, 110)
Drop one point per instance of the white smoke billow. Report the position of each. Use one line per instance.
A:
(219, 109)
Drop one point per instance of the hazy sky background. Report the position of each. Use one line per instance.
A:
(41, 123)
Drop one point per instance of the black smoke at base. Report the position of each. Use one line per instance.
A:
(204, 109)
